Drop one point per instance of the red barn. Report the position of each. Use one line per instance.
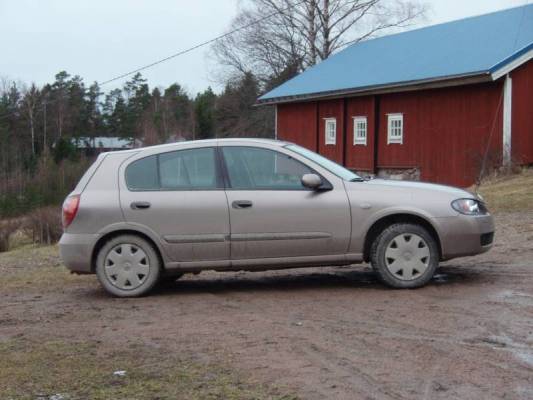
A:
(433, 104)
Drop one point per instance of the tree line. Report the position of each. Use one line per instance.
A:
(35, 120)
(38, 124)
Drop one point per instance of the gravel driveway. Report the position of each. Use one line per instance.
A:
(331, 333)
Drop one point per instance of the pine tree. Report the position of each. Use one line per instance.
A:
(204, 111)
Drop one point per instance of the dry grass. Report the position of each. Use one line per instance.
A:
(35, 268)
(83, 370)
(510, 192)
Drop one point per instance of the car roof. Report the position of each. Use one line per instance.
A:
(215, 142)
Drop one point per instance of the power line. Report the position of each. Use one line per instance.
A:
(185, 51)
(153, 64)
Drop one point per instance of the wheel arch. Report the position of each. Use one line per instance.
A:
(382, 223)
(119, 232)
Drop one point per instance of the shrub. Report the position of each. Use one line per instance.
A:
(48, 184)
(7, 228)
(43, 225)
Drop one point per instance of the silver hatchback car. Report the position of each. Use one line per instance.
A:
(143, 215)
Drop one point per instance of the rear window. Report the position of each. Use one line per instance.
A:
(188, 169)
(192, 169)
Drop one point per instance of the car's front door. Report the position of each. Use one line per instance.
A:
(179, 197)
(273, 215)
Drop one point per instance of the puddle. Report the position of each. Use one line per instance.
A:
(514, 297)
(525, 356)
(521, 351)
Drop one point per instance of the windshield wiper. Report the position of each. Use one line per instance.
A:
(358, 179)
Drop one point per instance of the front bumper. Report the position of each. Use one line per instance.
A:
(76, 251)
(465, 235)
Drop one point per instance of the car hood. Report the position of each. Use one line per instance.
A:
(420, 186)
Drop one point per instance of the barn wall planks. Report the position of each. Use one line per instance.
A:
(360, 157)
(446, 132)
(522, 114)
(297, 122)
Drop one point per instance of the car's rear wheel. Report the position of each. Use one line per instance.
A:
(405, 256)
(128, 266)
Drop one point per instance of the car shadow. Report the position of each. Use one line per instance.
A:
(298, 280)
(258, 281)
(295, 280)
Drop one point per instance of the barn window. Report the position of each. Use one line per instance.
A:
(331, 130)
(395, 128)
(359, 130)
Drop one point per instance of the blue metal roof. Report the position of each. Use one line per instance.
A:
(467, 47)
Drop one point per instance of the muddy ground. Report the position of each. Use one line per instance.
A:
(331, 333)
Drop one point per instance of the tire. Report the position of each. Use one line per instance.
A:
(128, 266)
(405, 256)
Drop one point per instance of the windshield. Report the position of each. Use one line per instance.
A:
(331, 166)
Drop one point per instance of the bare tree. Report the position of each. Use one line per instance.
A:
(305, 32)
(30, 99)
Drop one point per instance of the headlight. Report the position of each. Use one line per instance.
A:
(469, 207)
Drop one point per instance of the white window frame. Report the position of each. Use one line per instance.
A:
(328, 123)
(395, 128)
(360, 135)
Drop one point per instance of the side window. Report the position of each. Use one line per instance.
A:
(188, 169)
(330, 130)
(359, 130)
(251, 168)
(395, 128)
(176, 170)
(142, 174)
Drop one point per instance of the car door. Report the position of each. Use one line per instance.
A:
(178, 195)
(273, 215)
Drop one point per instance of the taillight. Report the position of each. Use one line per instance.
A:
(70, 208)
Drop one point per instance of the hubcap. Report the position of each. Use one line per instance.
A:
(407, 256)
(126, 266)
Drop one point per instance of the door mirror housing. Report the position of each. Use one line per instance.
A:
(311, 181)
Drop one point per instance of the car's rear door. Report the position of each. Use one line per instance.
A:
(272, 215)
(178, 195)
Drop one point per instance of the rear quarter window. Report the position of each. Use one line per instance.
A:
(142, 174)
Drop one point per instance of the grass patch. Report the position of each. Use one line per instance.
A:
(35, 268)
(42, 279)
(31, 256)
(509, 193)
(82, 370)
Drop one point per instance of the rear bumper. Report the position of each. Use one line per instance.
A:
(465, 235)
(76, 250)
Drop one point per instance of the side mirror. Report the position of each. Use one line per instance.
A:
(311, 181)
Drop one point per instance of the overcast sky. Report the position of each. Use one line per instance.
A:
(100, 39)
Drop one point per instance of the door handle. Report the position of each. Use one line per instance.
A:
(140, 205)
(242, 204)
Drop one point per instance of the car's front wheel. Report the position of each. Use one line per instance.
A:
(128, 266)
(405, 255)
